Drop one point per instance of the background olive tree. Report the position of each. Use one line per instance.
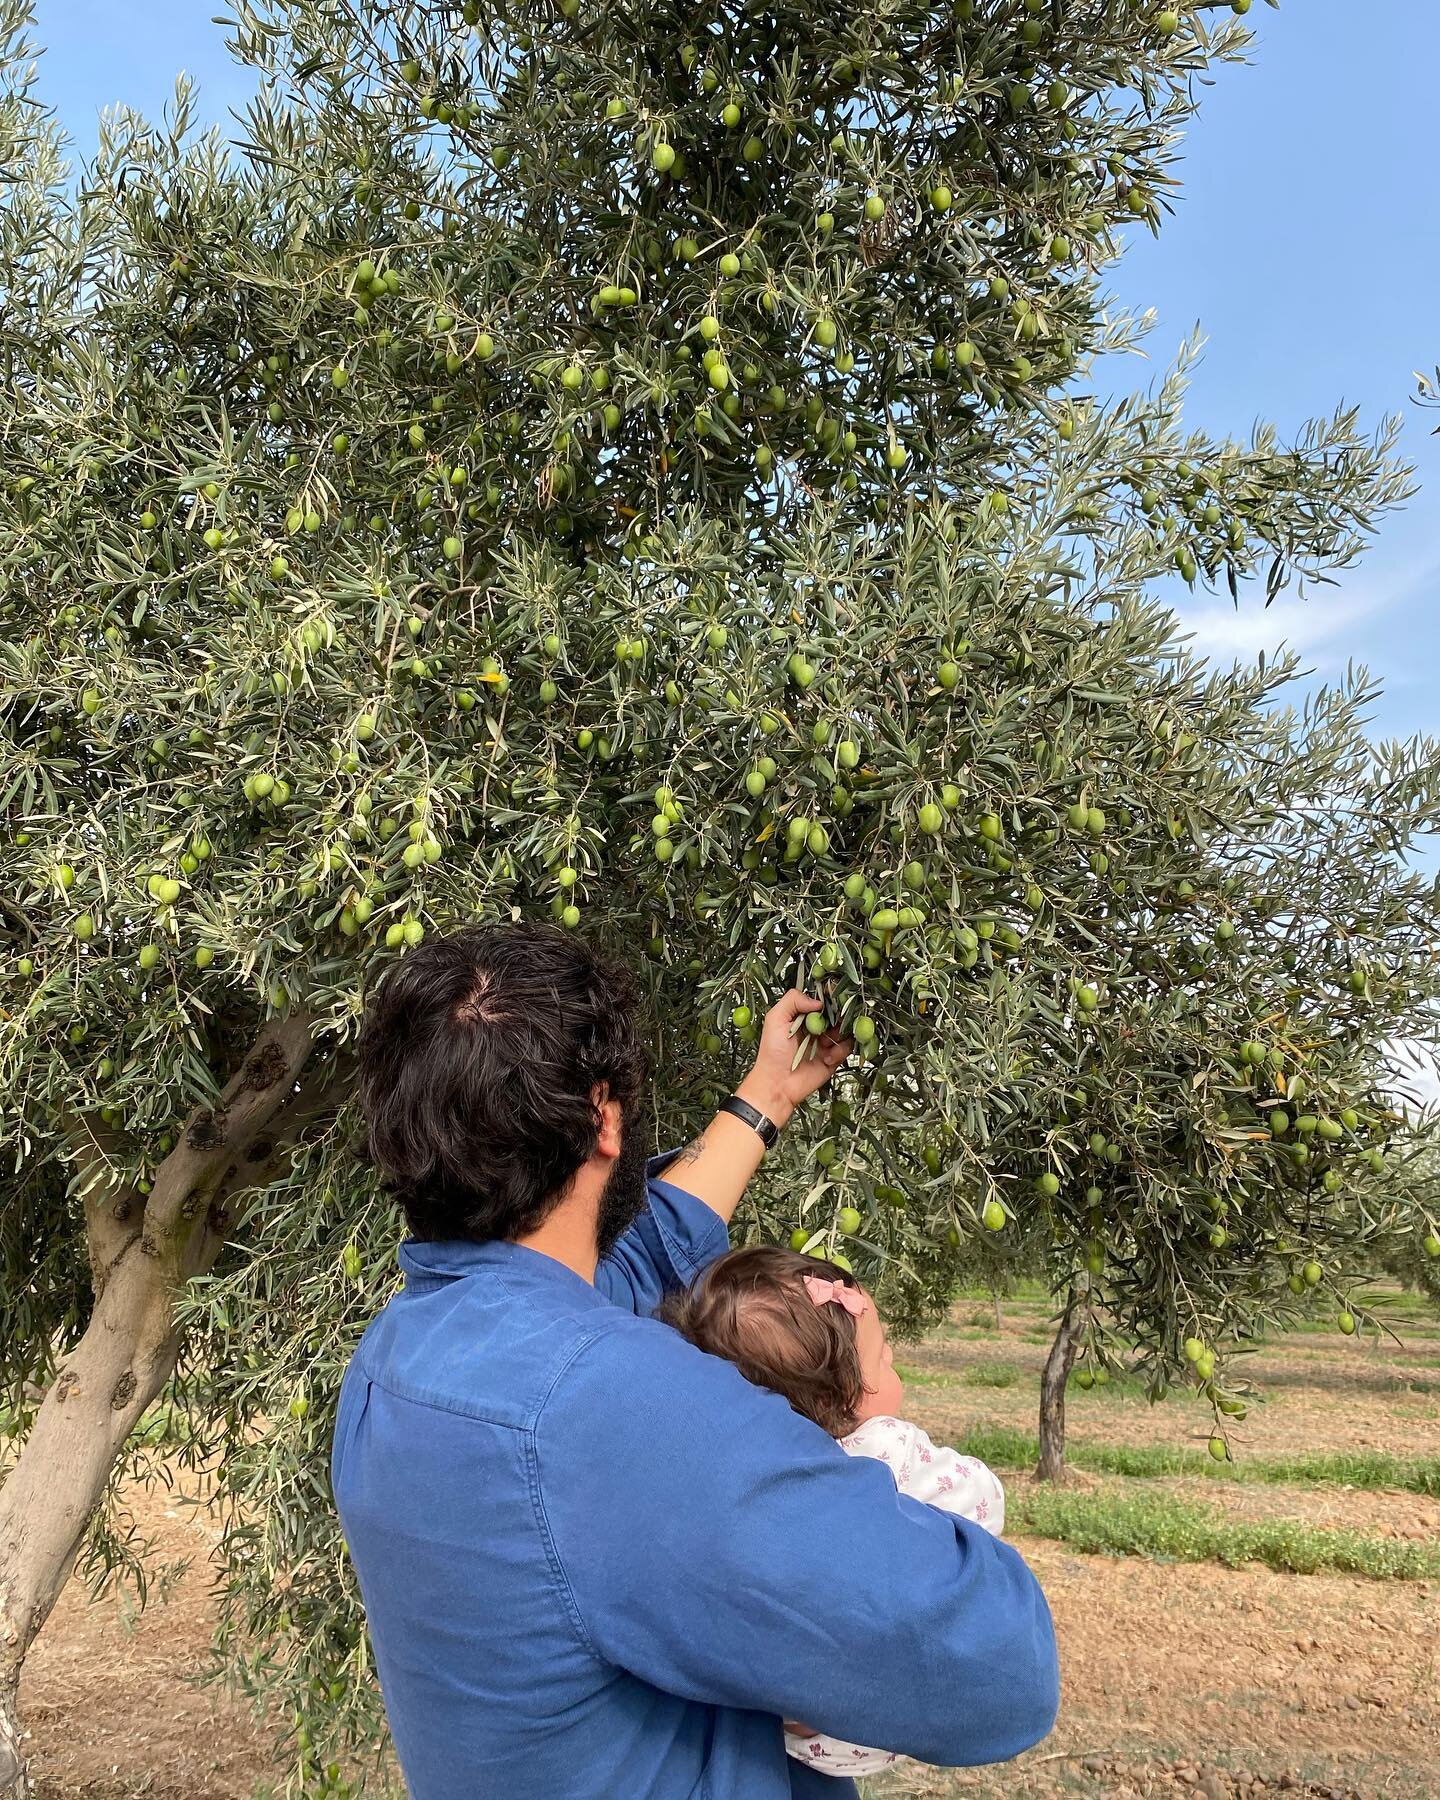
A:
(638, 466)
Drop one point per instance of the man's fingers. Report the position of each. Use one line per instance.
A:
(790, 1009)
(833, 1050)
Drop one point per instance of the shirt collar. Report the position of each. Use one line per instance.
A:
(434, 1262)
(431, 1262)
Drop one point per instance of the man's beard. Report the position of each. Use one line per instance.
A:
(626, 1192)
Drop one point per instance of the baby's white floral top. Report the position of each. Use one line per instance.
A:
(925, 1471)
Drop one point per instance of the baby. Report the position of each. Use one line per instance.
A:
(809, 1331)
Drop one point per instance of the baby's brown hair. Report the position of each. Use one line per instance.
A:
(751, 1307)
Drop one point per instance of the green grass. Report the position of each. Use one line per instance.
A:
(1331, 1379)
(1025, 1289)
(995, 1375)
(980, 1374)
(1119, 1387)
(1170, 1530)
(161, 1425)
(962, 1334)
(923, 1377)
(1008, 1449)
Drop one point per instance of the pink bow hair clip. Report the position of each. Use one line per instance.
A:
(840, 1292)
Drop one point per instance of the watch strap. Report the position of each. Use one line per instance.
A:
(752, 1116)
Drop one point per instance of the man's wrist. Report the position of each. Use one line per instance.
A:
(775, 1106)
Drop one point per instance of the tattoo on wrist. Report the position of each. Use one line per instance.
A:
(693, 1151)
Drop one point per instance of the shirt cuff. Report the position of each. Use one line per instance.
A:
(693, 1233)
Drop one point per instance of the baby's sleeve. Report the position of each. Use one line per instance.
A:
(942, 1477)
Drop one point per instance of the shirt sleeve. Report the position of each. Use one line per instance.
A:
(666, 1247)
(698, 1553)
(932, 1472)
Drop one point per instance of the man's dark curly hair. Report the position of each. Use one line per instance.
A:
(479, 1053)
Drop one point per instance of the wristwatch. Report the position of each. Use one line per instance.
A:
(752, 1115)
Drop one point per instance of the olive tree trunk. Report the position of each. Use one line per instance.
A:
(143, 1250)
(12, 1761)
(1058, 1365)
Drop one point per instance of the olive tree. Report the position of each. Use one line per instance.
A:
(640, 468)
(1412, 1255)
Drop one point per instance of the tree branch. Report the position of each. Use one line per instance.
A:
(217, 1137)
(322, 1093)
(113, 1209)
(9, 908)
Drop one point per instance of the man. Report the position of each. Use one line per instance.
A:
(597, 1563)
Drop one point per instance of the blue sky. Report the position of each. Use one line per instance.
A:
(1305, 245)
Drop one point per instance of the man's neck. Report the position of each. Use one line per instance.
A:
(568, 1236)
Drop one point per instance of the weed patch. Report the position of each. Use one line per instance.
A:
(1009, 1449)
(1166, 1529)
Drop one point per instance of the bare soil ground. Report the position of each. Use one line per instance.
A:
(1330, 1680)
(1193, 1678)
(1178, 1678)
(109, 1692)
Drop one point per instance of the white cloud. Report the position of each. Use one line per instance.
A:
(1416, 1065)
(1230, 633)
(1321, 627)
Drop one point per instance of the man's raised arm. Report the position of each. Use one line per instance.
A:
(717, 1166)
(670, 1244)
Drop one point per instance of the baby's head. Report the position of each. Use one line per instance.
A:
(792, 1323)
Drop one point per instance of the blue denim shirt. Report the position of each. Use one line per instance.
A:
(598, 1564)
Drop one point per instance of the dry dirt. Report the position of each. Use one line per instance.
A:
(1177, 1678)
(1330, 1678)
(109, 1695)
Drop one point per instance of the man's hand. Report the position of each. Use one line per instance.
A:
(716, 1167)
(777, 1083)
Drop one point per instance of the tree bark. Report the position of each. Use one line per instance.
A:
(12, 1761)
(143, 1250)
(999, 1322)
(1058, 1365)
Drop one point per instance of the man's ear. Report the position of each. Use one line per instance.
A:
(607, 1118)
